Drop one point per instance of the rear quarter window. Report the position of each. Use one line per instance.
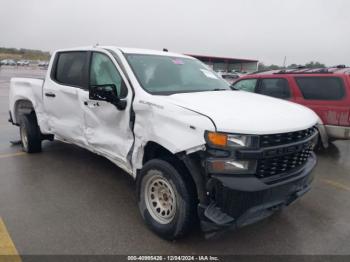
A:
(321, 88)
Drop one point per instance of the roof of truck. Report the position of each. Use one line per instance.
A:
(126, 50)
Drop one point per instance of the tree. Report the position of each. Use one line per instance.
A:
(263, 67)
(291, 66)
(275, 67)
(313, 64)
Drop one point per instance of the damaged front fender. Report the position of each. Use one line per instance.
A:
(174, 128)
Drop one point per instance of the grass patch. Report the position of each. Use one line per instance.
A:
(26, 54)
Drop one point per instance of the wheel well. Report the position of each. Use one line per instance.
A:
(154, 150)
(23, 107)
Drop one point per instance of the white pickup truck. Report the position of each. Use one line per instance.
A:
(196, 148)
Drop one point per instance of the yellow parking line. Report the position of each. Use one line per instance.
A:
(11, 155)
(7, 248)
(336, 184)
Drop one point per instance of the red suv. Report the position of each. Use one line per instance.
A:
(325, 90)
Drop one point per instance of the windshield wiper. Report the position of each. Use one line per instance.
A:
(220, 89)
(233, 87)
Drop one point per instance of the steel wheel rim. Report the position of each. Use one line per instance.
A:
(160, 198)
(24, 138)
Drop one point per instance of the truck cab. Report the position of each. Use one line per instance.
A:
(196, 148)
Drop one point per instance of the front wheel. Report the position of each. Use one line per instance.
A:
(166, 201)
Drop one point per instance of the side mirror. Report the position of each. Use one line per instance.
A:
(107, 93)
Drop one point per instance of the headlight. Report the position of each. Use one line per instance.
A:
(238, 140)
(229, 140)
(229, 144)
(231, 166)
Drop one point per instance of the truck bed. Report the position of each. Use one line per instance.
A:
(25, 89)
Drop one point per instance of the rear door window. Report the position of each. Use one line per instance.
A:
(246, 85)
(321, 88)
(71, 69)
(275, 87)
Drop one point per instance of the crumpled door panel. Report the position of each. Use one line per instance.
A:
(107, 131)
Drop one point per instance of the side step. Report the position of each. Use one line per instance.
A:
(214, 222)
(214, 213)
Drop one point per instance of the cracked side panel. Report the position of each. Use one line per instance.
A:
(107, 132)
(175, 128)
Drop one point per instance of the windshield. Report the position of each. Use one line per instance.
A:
(164, 75)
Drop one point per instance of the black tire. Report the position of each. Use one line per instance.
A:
(185, 203)
(30, 134)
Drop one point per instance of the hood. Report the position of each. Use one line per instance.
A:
(247, 113)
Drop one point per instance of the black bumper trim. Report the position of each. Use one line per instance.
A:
(251, 183)
(245, 200)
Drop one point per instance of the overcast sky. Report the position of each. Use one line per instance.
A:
(268, 30)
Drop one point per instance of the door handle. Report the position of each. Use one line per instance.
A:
(94, 104)
(50, 94)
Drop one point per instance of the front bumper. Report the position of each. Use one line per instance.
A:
(236, 201)
(338, 132)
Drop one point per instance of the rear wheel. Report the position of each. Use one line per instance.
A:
(30, 133)
(166, 202)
